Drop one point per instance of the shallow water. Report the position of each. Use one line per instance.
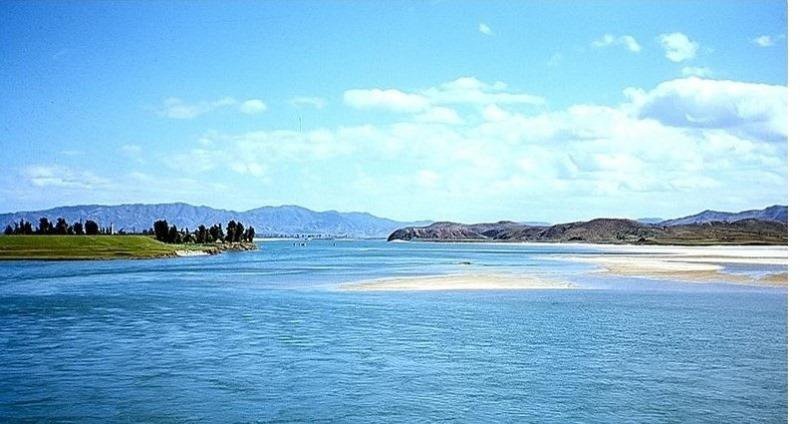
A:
(263, 336)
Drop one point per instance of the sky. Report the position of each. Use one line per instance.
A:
(459, 110)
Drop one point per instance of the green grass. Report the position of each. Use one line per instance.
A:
(85, 247)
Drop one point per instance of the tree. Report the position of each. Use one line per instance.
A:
(78, 228)
(250, 234)
(161, 229)
(215, 232)
(231, 233)
(201, 235)
(239, 232)
(44, 226)
(91, 227)
(8, 230)
(61, 227)
(173, 236)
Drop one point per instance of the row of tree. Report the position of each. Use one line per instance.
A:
(233, 233)
(60, 227)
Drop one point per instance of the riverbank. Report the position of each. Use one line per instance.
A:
(53, 247)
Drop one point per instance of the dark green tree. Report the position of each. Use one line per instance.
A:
(91, 227)
(173, 236)
(161, 230)
(44, 226)
(61, 227)
(231, 233)
(239, 232)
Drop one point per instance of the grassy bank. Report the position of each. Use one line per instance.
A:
(53, 247)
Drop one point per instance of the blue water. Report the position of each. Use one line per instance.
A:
(264, 336)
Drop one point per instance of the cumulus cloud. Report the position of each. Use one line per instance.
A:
(472, 91)
(432, 104)
(754, 109)
(307, 101)
(690, 135)
(678, 47)
(62, 177)
(391, 99)
(132, 151)
(764, 41)
(439, 115)
(177, 108)
(485, 29)
(681, 141)
(697, 71)
(626, 41)
(253, 107)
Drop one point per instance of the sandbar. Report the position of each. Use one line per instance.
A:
(457, 282)
(689, 263)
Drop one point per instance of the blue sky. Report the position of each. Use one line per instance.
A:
(454, 110)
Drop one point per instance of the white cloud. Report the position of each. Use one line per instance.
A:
(678, 47)
(393, 100)
(177, 108)
(697, 71)
(682, 141)
(692, 135)
(252, 168)
(554, 60)
(253, 107)
(485, 29)
(470, 90)
(427, 178)
(132, 151)
(428, 103)
(764, 41)
(758, 110)
(305, 101)
(626, 41)
(62, 177)
(439, 115)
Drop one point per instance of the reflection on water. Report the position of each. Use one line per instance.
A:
(260, 336)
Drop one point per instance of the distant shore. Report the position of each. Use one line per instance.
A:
(103, 247)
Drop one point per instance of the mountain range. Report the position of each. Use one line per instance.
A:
(777, 213)
(296, 220)
(767, 226)
(268, 221)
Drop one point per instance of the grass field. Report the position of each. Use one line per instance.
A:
(85, 247)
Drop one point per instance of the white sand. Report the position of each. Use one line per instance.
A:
(457, 282)
(689, 263)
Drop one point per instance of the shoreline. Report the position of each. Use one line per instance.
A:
(104, 247)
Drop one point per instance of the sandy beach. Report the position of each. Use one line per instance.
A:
(689, 263)
(457, 282)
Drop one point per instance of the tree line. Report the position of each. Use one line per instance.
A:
(235, 232)
(59, 227)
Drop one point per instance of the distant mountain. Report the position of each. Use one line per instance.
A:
(269, 220)
(604, 230)
(776, 213)
(649, 220)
